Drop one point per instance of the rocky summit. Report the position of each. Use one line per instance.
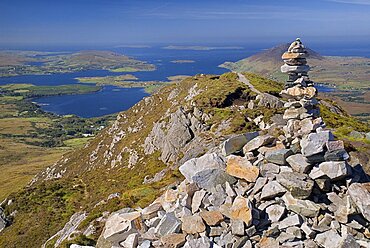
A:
(288, 186)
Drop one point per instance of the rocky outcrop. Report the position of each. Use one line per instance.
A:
(293, 189)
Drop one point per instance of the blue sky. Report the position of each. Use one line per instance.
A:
(181, 21)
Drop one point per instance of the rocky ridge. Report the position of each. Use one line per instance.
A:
(290, 185)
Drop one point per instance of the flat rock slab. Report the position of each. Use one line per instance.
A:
(293, 220)
(290, 55)
(122, 225)
(240, 167)
(291, 68)
(174, 240)
(257, 142)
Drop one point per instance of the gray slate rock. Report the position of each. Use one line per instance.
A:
(278, 156)
(337, 155)
(236, 143)
(210, 178)
(169, 224)
(296, 183)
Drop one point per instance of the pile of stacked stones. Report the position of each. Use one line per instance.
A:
(287, 186)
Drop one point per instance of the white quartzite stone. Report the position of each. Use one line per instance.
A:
(195, 165)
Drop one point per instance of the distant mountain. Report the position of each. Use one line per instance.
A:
(343, 72)
(274, 54)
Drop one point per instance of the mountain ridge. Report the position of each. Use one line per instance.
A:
(130, 162)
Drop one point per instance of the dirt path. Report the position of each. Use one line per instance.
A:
(244, 80)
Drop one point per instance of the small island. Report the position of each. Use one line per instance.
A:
(182, 61)
(123, 81)
(201, 48)
(15, 63)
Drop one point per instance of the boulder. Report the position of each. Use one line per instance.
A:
(121, 224)
(205, 162)
(275, 212)
(269, 101)
(335, 169)
(305, 208)
(236, 143)
(278, 156)
(294, 113)
(335, 145)
(328, 239)
(210, 178)
(193, 224)
(337, 155)
(360, 195)
(298, 184)
(197, 200)
(241, 168)
(271, 190)
(131, 241)
(242, 210)
(299, 163)
(237, 227)
(173, 240)
(314, 143)
(212, 218)
(293, 220)
(257, 142)
(168, 224)
(298, 92)
(269, 169)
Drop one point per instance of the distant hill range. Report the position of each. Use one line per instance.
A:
(342, 72)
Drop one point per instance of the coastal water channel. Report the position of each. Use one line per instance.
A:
(113, 99)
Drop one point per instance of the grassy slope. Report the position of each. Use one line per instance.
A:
(50, 204)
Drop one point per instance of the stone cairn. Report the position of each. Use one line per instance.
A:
(287, 186)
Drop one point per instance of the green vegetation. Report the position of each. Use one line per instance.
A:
(14, 63)
(31, 139)
(31, 91)
(263, 84)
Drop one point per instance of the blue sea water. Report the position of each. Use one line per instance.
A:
(109, 100)
(113, 99)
